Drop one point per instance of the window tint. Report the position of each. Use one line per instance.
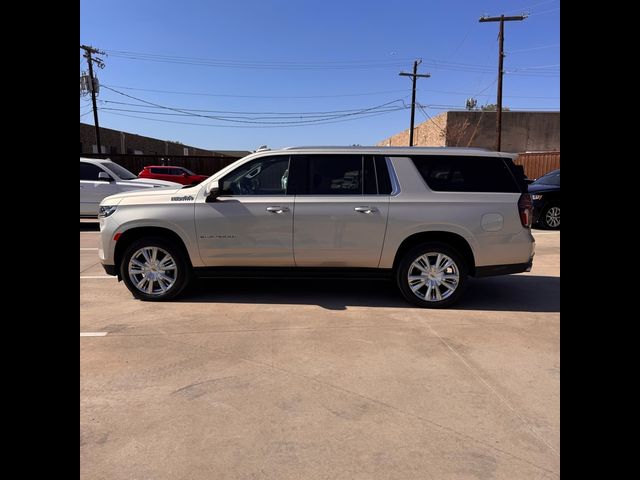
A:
(263, 176)
(370, 185)
(162, 171)
(89, 171)
(382, 174)
(465, 174)
(335, 174)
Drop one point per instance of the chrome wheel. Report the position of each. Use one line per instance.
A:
(553, 217)
(152, 270)
(433, 277)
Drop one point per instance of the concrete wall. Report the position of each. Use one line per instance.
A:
(521, 131)
(123, 142)
(430, 133)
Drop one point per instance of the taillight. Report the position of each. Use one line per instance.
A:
(525, 207)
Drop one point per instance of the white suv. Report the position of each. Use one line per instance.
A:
(101, 178)
(428, 217)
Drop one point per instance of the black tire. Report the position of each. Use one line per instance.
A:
(544, 221)
(183, 272)
(419, 299)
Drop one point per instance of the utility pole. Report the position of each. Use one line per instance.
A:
(90, 60)
(414, 75)
(500, 19)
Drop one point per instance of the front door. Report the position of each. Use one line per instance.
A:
(93, 189)
(251, 222)
(340, 218)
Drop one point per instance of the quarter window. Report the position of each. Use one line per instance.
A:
(453, 173)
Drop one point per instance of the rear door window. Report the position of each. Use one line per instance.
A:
(337, 174)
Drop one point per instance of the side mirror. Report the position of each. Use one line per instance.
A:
(212, 193)
(104, 176)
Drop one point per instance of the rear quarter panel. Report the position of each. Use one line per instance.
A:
(489, 222)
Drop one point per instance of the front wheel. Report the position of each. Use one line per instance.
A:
(154, 269)
(432, 275)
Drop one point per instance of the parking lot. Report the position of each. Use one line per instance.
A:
(253, 379)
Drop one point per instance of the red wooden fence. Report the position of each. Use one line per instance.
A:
(537, 164)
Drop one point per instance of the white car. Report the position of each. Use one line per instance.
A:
(100, 178)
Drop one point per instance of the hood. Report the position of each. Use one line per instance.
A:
(541, 187)
(151, 182)
(142, 195)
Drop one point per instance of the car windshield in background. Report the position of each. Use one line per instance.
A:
(552, 178)
(188, 172)
(121, 172)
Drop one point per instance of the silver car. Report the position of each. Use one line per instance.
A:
(427, 217)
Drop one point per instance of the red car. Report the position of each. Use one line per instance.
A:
(172, 174)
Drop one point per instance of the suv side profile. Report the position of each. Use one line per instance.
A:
(428, 217)
(172, 174)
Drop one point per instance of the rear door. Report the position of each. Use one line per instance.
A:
(340, 214)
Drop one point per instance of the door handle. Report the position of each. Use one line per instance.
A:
(367, 210)
(277, 209)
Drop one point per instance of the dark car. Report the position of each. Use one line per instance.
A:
(172, 174)
(545, 193)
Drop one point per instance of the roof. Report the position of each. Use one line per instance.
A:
(399, 150)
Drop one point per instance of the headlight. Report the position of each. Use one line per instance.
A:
(106, 210)
(536, 197)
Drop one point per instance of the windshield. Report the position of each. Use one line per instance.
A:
(551, 178)
(189, 172)
(121, 172)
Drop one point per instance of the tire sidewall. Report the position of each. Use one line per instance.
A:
(417, 251)
(184, 269)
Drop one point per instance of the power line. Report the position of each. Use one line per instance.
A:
(281, 65)
(325, 112)
(533, 48)
(320, 117)
(228, 119)
(446, 92)
(434, 63)
(256, 96)
(531, 6)
(247, 126)
(546, 11)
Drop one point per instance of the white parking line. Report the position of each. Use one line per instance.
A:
(87, 248)
(93, 334)
(96, 276)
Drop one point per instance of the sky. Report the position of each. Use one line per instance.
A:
(239, 74)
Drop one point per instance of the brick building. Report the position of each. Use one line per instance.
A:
(521, 131)
(117, 142)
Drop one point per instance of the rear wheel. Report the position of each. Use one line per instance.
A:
(550, 217)
(432, 275)
(154, 269)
